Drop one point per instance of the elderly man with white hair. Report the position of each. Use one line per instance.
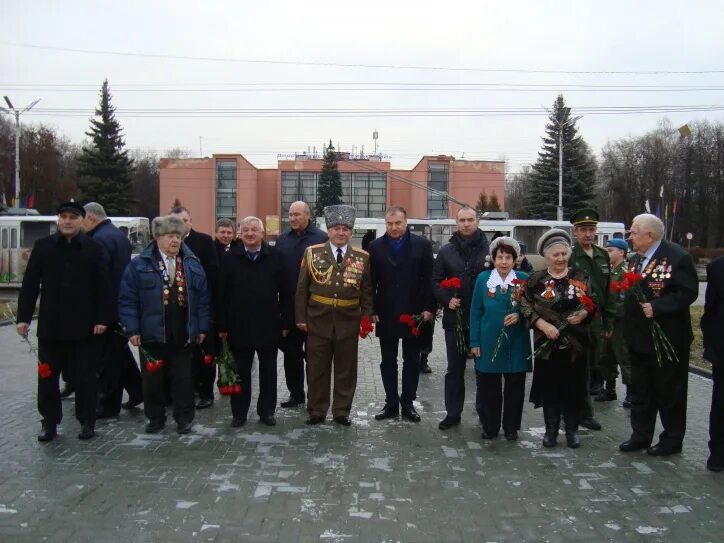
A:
(659, 382)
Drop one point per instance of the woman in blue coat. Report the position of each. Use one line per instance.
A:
(495, 310)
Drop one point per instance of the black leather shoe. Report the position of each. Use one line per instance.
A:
(87, 431)
(488, 435)
(425, 367)
(572, 440)
(511, 436)
(269, 421)
(204, 403)
(343, 420)
(660, 450)
(448, 422)
(590, 423)
(184, 428)
(712, 465)
(67, 391)
(132, 404)
(631, 446)
(47, 432)
(292, 402)
(155, 426)
(237, 422)
(388, 411)
(550, 439)
(315, 419)
(606, 396)
(409, 413)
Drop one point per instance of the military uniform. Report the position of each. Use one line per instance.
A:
(614, 348)
(598, 268)
(331, 299)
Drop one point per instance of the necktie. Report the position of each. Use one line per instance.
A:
(171, 265)
(639, 263)
(339, 255)
(252, 255)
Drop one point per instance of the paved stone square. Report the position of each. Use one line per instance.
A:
(374, 481)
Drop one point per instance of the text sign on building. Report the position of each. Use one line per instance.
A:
(272, 225)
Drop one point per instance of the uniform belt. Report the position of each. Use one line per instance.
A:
(335, 301)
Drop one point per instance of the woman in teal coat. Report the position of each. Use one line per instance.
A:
(500, 341)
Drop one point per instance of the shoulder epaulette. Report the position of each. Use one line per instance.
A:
(360, 250)
(316, 246)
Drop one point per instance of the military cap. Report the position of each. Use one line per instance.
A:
(170, 224)
(552, 237)
(618, 243)
(339, 214)
(505, 240)
(585, 216)
(72, 207)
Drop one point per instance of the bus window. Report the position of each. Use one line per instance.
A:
(4, 238)
(30, 232)
(13, 238)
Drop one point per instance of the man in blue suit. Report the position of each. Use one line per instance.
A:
(401, 265)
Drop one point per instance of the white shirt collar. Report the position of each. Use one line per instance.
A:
(334, 249)
(495, 280)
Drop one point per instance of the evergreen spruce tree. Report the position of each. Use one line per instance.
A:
(329, 188)
(482, 204)
(579, 168)
(493, 203)
(104, 166)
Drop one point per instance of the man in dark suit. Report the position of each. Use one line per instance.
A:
(291, 245)
(712, 325)
(66, 269)
(118, 369)
(202, 245)
(253, 311)
(659, 384)
(224, 238)
(401, 264)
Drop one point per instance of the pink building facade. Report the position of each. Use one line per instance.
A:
(229, 186)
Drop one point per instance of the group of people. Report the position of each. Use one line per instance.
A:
(312, 295)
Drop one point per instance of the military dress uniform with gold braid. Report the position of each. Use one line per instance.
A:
(331, 299)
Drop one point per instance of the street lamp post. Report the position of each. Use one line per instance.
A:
(16, 113)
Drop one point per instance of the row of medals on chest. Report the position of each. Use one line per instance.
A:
(353, 269)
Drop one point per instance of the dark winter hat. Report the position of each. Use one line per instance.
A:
(618, 243)
(72, 207)
(585, 216)
(339, 214)
(552, 237)
(170, 224)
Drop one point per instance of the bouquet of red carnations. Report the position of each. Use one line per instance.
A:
(516, 293)
(365, 327)
(229, 382)
(631, 282)
(461, 325)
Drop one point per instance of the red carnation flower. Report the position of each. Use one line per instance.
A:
(455, 282)
(405, 318)
(237, 389)
(415, 331)
(588, 304)
(208, 359)
(615, 286)
(151, 366)
(44, 370)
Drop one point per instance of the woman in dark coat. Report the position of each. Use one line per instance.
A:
(557, 305)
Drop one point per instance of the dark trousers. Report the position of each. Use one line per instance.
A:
(455, 379)
(716, 418)
(118, 371)
(323, 355)
(501, 399)
(267, 401)
(204, 375)
(659, 390)
(410, 369)
(80, 357)
(177, 371)
(293, 348)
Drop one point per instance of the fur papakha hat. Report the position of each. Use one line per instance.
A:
(170, 224)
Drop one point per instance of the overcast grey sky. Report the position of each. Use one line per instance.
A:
(532, 43)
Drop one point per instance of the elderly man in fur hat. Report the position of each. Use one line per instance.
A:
(164, 308)
(334, 292)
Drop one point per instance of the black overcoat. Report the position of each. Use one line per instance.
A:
(401, 282)
(74, 286)
(712, 322)
(252, 305)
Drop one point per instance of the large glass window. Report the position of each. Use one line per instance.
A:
(365, 191)
(226, 189)
(437, 179)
